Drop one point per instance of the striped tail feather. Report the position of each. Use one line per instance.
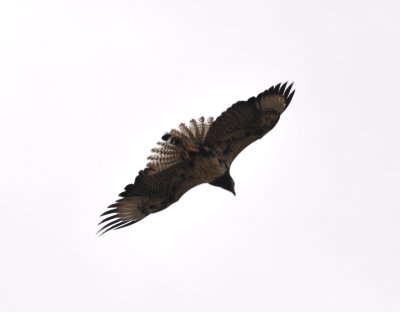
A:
(169, 152)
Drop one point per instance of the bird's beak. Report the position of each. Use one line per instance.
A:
(233, 192)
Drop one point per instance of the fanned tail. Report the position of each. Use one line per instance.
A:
(170, 153)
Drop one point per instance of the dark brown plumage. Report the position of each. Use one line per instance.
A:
(199, 153)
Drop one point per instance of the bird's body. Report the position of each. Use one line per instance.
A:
(199, 153)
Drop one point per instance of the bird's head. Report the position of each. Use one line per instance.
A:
(226, 182)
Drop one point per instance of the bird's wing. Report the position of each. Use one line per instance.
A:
(246, 121)
(169, 174)
(150, 193)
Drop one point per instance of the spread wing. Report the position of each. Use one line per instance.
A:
(169, 174)
(149, 194)
(247, 121)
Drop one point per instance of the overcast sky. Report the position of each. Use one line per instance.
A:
(87, 88)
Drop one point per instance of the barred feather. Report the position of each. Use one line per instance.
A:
(197, 130)
(163, 157)
(210, 121)
(202, 127)
(194, 128)
(178, 134)
(186, 130)
(168, 153)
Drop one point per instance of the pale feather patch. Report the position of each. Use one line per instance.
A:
(124, 212)
(272, 102)
(130, 208)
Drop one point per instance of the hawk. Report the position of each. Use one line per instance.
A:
(201, 152)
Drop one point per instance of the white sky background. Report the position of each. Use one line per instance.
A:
(88, 87)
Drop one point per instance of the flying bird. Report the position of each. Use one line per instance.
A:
(201, 152)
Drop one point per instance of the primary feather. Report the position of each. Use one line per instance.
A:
(201, 152)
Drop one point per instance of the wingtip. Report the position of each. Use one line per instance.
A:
(283, 87)
(289, 98)
(277, 87)
(287, 90)
(110, 226)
